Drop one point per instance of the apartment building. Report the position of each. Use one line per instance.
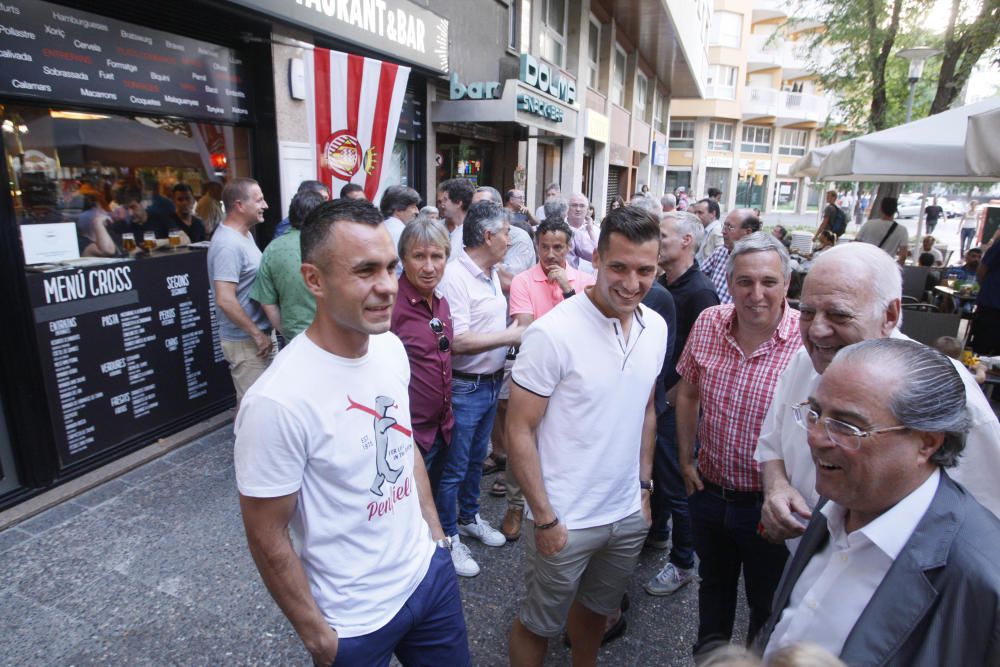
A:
(574, 92)
(762, 110)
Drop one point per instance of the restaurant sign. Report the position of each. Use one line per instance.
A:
(546, 79)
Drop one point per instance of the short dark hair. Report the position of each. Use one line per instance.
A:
(554, 225)
(398, 198)
(127, 195)
(889, 206)
(458, 190)
(508, 195)
(314, 186)
(349, 189)
(636, 224)
(319, 223)
(925, 259)
(714, 192)
(181, 187)
(302, 204)
(713, 207)
(781, 230)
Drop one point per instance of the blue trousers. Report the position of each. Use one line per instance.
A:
(428, 631)
(727, 541)
(670, 501)
(475, 406)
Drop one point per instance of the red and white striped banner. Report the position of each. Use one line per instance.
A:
(358, 101)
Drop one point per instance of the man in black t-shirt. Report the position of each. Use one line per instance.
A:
(932, 214)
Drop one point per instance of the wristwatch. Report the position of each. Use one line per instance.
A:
(444, 543)
(646, 485)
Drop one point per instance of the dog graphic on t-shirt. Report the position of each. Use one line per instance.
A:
(383, 422)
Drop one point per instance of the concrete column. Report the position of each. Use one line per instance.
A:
(532, 174)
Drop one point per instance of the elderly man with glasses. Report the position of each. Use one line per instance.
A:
(740, 222)
(897, 564)
(852, 293)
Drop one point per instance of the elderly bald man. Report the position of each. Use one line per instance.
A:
(852, 293)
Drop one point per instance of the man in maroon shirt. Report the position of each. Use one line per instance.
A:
(422, 320)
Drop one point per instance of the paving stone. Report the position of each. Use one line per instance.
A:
(53, 517)
(103, 492)
(13, 537)
(38, 635)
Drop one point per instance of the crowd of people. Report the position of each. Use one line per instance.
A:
(635, 382)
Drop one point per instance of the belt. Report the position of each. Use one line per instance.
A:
(732, 495)
(474, 377)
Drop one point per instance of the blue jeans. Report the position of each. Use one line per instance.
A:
(967, 237)
(670, 499)
(727, 541)
(428, 630)
(475, 406)
(434, 461)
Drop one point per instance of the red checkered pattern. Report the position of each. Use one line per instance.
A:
(735, 390)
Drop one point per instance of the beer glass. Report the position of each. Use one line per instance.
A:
(175, 239)
(149, 241)
(128, 241)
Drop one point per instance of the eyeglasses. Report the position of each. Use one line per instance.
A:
(840, 433)
(437, 326)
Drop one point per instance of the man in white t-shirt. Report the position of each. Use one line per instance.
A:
(582, 428)
(552, 190)
(324, 450)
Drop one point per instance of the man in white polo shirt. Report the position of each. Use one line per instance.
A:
(582, 428)
(324, 451)
(471, 285)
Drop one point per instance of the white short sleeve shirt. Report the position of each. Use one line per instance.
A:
(598, 384)
(337, 432)
(477, 304)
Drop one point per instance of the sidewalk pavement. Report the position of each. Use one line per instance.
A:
(152, 568)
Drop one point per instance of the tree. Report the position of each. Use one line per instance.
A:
(964, 44)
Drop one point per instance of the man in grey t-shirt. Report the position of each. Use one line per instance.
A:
(233, 260)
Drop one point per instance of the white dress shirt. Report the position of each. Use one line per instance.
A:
(711, 242)
(841, 578)
(782, 438)
(395, 227)
(477, 304)
(521, 254)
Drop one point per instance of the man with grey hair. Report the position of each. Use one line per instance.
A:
(740, 222)
(852, 293)
(668, 202)
(585, 232)
(729, 367)
(521, 254)
(471, 285)
(646, 204)
(552, 190)
(693, 292)
(897, 566)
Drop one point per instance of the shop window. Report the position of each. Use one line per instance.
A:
(717, 177)
(793, 142)
(113, 177)
(677, 179)
(553, 34)
(681, 134)
(721, 82)
(594, 54)
(726, 30)
(618, 77)
(756, 139)
(657, 111)
(720, 137)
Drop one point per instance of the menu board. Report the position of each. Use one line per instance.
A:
(127, 348)
(57, 54)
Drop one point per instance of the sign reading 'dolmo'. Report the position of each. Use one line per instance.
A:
(546, 79)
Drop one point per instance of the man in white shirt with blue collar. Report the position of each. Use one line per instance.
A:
(896, 568)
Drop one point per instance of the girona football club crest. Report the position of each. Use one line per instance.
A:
(344, 156)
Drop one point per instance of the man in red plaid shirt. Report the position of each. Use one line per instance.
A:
(729, 369)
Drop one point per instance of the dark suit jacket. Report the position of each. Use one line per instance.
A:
(939, 604)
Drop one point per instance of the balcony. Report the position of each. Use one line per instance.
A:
(786, 108)
(767, 53)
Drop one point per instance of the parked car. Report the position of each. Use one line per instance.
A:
(908, 206)
(955, 208)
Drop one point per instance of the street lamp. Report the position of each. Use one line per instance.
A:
(917, 56)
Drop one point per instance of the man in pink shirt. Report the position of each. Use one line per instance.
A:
(532, 294)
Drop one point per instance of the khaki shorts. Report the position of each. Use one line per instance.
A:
(244, 364)
(593, 568)
(505, 384)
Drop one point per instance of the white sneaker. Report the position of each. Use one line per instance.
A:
(482, 531)
(669, 580)
(461, 558)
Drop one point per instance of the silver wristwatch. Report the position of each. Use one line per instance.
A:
(444, 543)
